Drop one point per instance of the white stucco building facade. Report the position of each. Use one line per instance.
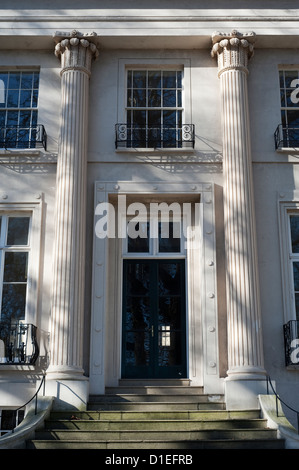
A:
(109, 106)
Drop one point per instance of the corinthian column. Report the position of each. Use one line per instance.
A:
(245, 353)
(67, 316)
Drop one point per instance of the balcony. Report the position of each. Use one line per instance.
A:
(291, 343)
(18, 343)
(17, 137)
(286, 137)
(129, 137)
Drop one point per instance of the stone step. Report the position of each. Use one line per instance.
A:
(155, 383)
(154, 390)
(226, 444)
(158, 406)
(202, 415)
(206, 434)
(155, 397)
(157, 425)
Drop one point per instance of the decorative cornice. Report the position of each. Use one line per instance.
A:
(76, 50)
(233, 50)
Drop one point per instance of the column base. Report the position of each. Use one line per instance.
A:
(69, 387)
(243, 388)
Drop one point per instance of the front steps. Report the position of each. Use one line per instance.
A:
(156, 417)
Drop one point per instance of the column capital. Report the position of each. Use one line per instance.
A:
(76, 50)
(233, 50)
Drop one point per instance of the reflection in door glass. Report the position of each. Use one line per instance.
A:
(169, 351)
(137, 348)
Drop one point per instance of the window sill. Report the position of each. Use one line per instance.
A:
(18, 367)
(26, 151)
(155, 150)
(288, 150)
(293, 367)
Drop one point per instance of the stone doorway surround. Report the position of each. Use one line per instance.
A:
(202, 321)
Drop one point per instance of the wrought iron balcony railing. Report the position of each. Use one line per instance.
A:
(291, 342)
(18, 137)
(154, 137)
(18, 343)
(286, 136)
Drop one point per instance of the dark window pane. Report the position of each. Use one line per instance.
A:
(15, 267)
(170, 348)
(169, 237)
(13, 302)
(169, 79)
(129, 98)
(169, 98)
(179, 79)
(129, 79)
(154, 118)
(18, 230)
(283, 118)
(290, 75)
(13, 98)
(26, 80)
(12, 118)
(297, 306)
(169, 278)
(139, 79)
(138, 237)
(14, 80)
(154, 98)
(281, 79)
(138, 278)
(2, 118)
(139, 98)
(138, 313)
(36, 80)
(170, 311)
(139, 118)
(25, 118)
(296, 276)
(292, 118)
(25, 99)
(137, 348)
(154, 79)
(33, 118)
(34, 98)
(169, 118)
(294, 222)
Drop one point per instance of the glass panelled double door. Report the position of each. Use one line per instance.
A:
(154, 319)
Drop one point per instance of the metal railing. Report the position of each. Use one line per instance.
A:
(21, 137)
(291, 342)
(154, 137)
(278, 399)
(286, 136)
(18, 343)
(16, 410)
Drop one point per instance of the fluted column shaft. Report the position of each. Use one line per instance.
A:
(67, 315)
(245, 352)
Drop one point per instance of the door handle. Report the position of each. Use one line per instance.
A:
(152, 331)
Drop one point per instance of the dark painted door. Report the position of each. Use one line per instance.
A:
(154, 319)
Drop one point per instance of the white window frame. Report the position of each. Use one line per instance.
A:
(34, 211)
(18, 108)
(4, 249)
(181, 64)
(154, 243)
